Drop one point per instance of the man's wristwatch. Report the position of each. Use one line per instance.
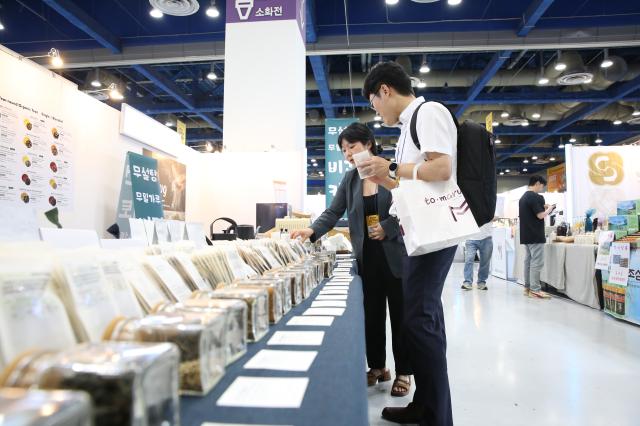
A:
(393, 168)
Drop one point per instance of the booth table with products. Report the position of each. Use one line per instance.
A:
(336, 393)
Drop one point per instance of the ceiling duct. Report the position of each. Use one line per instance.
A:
(634, 120)
(515, 121)
(99, 96)
(425, 1)
(617, 71)
(176, 7)
(575, 73)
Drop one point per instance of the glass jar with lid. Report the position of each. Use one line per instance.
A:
(50, 408)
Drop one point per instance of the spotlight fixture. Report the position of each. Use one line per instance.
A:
(454, 2)
(95, 81)
(391, 2)
(114, 93)
(504, 114)
(212, 73)
(422, 84)
(636, 113)
(507, 171)
(606, 62)
(535, 115)
(54, 54)
(572, 140)
(498, 141)
(525, 161)
(156, 13)
(377, 118)
(534, 158)
(552, 159)
(209, 147)
(560, 66)
(212, 10)
(377, 125)
(424, 68)
(617, 122)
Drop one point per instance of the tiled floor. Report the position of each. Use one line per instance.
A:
(519, 361)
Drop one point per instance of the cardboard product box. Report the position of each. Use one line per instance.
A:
(630, 207)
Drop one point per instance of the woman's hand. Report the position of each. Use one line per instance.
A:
(304, 234)
(377, 233)
(377, 166)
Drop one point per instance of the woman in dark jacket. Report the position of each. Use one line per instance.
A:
(379, 250)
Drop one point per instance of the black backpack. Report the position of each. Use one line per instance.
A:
(476, 166)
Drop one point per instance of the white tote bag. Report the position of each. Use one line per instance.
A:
(432, 215)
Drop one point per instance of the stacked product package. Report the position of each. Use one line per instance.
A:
(113, 337)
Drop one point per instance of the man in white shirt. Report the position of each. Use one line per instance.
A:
(388, 88)
(481, 243)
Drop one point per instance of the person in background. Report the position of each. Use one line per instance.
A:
(481, 243)
(379, 250)
(388, 89)
(533, 210)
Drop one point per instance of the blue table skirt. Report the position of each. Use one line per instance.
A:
(337, 393)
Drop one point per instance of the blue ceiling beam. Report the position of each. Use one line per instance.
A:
(587, 129)
(172, 89)
(534, 12)
(319, 66)
(310, 17)
(86, 23)
(489, 71)
(615, 93)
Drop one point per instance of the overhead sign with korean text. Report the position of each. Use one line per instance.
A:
(335, 164)
(267, 10)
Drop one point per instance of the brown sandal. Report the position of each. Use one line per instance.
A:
(401, 384)
(383, 375)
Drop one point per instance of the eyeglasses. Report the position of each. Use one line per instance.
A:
(375, 95)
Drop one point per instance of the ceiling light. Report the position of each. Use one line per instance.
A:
(209, 147)
(617, 122)
(606, 62)
(377, 118)
(572, 140)
(525, 123)
(212, 73)
(501, 173)
(168, 123)
(498, 141)
(495, 124)
(560, 66)
(507, 171)
(543, 80)
(534, 158)
(212, 10)
(424, 68)
(636, 113)
(422, 84)
(454, 2)
(56, 60)
(114, 93)
(561, 146)
(552, 159)
(505, 114)
(535, 115)
(156, 13)
(525, 161)
(1, 26)
(524, 170)
(377, 125)
(391, 2)
(598, 140)
(95, 81)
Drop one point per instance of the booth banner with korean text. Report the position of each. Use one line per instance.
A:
(267, 10)
(623, 301)
(335, 164)
(140, 193)
(600, 176)
(556, 179)
(172, 176)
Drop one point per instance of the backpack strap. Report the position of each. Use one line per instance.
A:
(413, 126)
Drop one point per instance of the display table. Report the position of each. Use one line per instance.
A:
(337, 393)
(570, 268)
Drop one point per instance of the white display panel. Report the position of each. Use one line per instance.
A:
(145, 129)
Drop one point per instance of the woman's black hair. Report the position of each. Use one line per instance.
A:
(358, 132)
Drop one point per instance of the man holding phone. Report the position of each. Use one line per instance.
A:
(533, 210)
